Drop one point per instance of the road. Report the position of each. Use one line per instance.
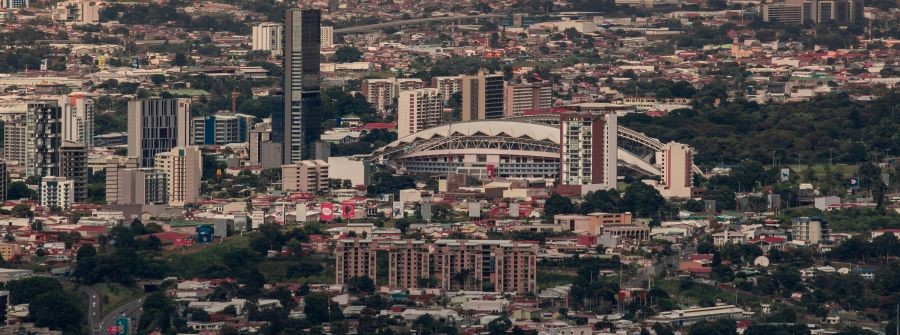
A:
(379, 26)
(92, 306)
(130, 309)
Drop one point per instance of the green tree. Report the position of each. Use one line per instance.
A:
(57, 310)
(642, 199)
(499, 326)
(557, 204)
(347, 54)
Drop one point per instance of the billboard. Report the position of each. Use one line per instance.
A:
(348, 209)
(204, 233)
(122, 324)
(397, 210)
(183, 242)
(371, 208)
(474, 210)
(327, 212)
(300, 212)
(279, 213)
(425, 210)
(490, 171)
(785, 174)
(220, 228)
(514, 210)
(257, 218)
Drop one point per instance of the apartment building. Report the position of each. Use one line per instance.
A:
(418, 110)
(447, 86)
(589, 149)
(490, 265)
(157, 125)
(57, 192)
(183, 167)
(305, 176)
(523, 97)
(73, 166)
(810, 230)
(220, 129)
(112, 167)
(382, 92)
(482, 96)
(676, 161)
(409, 262)
(141, 186)
(354, 258)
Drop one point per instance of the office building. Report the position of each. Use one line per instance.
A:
(73, 166)
(78, 119)
(14, 4)
(112, 168)
(302, 105)
(482, 96)
(418, 110)
(157, 125)
(268, 36)
(4, 181)
(447, 85)
(589, 149)
(784, 13)
(810, 230)
(141, 186)
(382, 92)
(327, 37)
(220, 129)
(687, 317)
(183, 167)
(77, 12)
(489, 265)
(814, 11)
(357, 171)
(111, 139)
(354, 258)
(57, 192)
(527, 96)
(409, 263)
(44, 138)
(263, 151)
(305, 176)
(676, 161)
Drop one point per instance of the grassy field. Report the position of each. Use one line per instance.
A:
(113, 295)
(199, 257)
(276, 270)
(696, 292)
(845, 170)
(547, 279)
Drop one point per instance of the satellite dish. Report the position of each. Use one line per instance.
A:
(844, 271)
(762, 261)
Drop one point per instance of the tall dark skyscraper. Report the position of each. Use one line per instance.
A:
(302, 104)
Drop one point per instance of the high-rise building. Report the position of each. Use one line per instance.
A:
(784, 13)
(302, 105)
(220, 129)
(409, 262)
(78, 119)
(354, 258)
(73, 166)
(4, 181)
(14, 4)
(810, 230)
(482, 96)
(589, 149)
(676, 161)
(80, 12)
(418, 110)
(447, 85)
(327, 37)
(813, 11)
(112, 168)
(183, 167)
(44, 136)
(263, 151)
(527, 96)
(16, 140)
(305, 176)
(269, 36)
(382, 92)
(57, 192)
(141, 186)
(157, 125)
(490, 265)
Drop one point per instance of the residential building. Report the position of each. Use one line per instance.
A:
(268, 36)
(409, 263)
(358, 171)
(302, 106)
(523, 97)
(589, 149)
(112, 168)
(382, 92)
(592, 223)
(221, 129)
(305, 176)
(141, 186)
(4, 181)
(155, 126)
(264, 151)
(9, 250)
(78, 12)
(78, 119)
(677, 162)
(16, 140)
(44, 138)
(14, 4)
(447, 85)
(418, 110)
(354, 258)
(183, 167)
(327, 37)
(489, 265)
(73, 166)
(482, 96)
(57, 192)
(810, 230)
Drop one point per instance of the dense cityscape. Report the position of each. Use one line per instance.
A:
(497, 167)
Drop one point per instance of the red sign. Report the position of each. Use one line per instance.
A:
(348, 209)
(490, 171)
(327, 212)
(112, 330)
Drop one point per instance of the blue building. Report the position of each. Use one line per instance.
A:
(221, 129)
